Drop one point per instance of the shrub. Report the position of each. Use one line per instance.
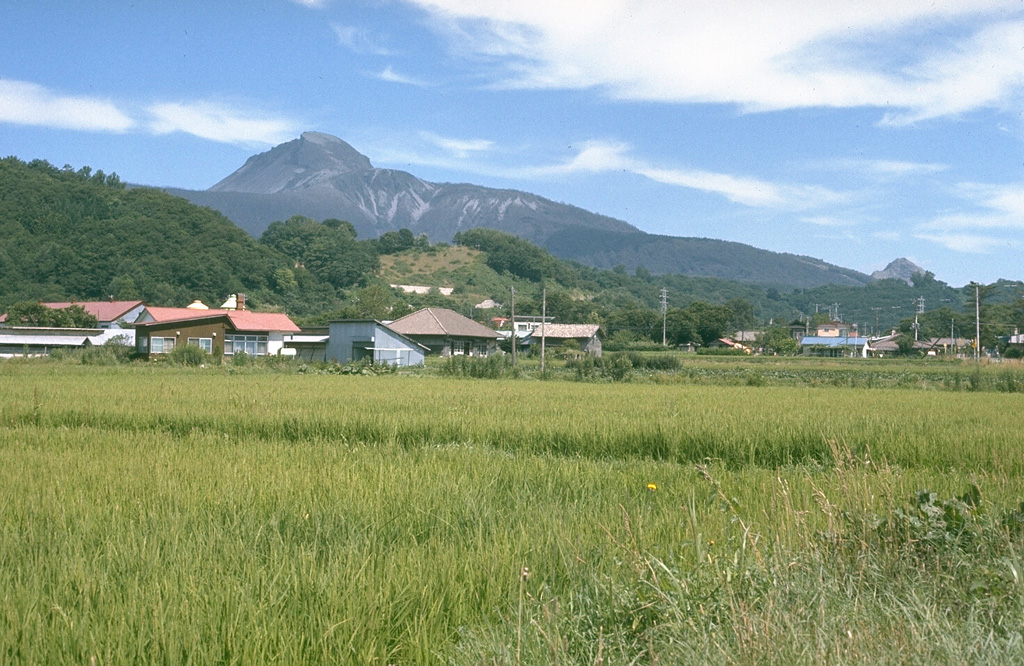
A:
(480, 367)
(191, 355)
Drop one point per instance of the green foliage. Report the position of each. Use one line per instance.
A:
(329, 251)
(32, 313)
(190, 355)
(513, 255)
(778, 341)
(81, 235)
(365, 367)
(495, 366)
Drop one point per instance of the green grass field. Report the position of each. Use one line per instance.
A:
(156, 514)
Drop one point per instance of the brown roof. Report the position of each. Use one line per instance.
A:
(440, 322)
(102, 310)
(241, 320)
(566, 331)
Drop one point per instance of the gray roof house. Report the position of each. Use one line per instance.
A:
(352, 340)
(42, 341)
(588, 336)
(446, 332)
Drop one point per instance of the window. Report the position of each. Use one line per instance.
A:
(458, 347)
(206, 344)
(161, 345)
(253, 345)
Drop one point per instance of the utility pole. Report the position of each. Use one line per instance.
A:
(664, 315)
(543, 320)
(513, 314)
(876, 320)
(919, 311)
(977, 322)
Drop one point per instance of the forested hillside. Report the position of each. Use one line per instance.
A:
(81, 235)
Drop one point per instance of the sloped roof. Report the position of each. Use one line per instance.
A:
(161, 315)
(440, 322)
(241, 320)
(247, 320)
(102, 310)
(566, 331)
(834, 341)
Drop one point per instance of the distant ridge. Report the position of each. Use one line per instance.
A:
(320, 176)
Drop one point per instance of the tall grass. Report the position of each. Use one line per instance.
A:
(187, 515)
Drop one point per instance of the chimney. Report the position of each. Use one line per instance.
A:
(241, 301)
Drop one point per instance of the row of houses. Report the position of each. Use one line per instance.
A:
(231, 330)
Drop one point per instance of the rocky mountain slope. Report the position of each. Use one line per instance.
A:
(321, 176)
(899, 269)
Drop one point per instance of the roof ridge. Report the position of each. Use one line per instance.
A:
(430, 311)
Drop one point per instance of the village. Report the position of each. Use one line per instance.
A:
(231, 329)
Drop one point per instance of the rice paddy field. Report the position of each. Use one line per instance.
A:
(157, 514)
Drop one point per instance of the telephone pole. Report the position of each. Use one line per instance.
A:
(664, 315)
(513, 315)
(977, 322)
(543, 320)
(917, 313)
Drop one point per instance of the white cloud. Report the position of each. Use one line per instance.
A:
(968, 243)
(360, 40)
(606, 156)
(312, 4)
(998, 210)
(761, 56)
(458, 147)
(391, 76)
(829, 221)
(220, 123)
(898, 168)
(25, 103)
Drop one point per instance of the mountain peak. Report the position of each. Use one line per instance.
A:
(900, 269)
(310, 160)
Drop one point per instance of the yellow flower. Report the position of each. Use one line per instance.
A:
(652, 487)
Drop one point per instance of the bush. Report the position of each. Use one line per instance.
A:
(191, 355)
(480, 367)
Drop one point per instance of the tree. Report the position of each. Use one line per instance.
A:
(32, 313)
(905, 344)
(393, 242)
(711, 321)
(778, 341)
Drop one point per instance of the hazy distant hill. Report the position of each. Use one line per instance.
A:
(321, 176)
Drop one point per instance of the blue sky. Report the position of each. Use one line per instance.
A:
(852, 132)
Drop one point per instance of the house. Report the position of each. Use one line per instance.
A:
(835, 329)
(446, 332)
(525, 325)
(930, 347)
(727, 343)
(830, 345)
(309, 344)
(44, 340)
(746, 337)
(588, 336)
(109, 314)
(228, 332)
(352, 340)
